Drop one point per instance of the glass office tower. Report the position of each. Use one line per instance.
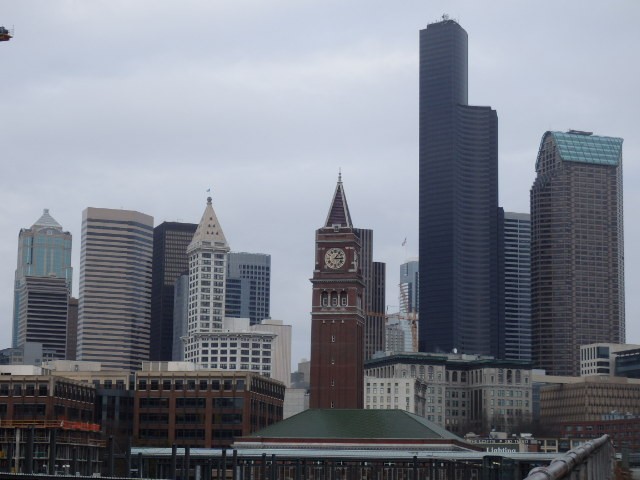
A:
(44, 251)
(460, 301)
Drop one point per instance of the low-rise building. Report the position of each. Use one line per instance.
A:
(55, 415)
(201, 408)
(586, 399)
(409, 394)
(465, 393)
(601, 358)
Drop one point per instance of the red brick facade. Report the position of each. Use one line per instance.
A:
(337, 320)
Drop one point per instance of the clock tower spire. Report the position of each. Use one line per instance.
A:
(337, 317)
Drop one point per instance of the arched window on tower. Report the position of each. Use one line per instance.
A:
(334, 299)
(324, 299)
(343, 298)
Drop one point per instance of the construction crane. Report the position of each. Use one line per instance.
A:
(5, 35)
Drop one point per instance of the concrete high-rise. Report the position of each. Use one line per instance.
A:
(516, 234)
(458, 227)
(207, 284)
(42, 285)
(577, 249)
(248, 291)
(170, 242)
(115, 287)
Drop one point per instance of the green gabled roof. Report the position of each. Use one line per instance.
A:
(356, 424)
(584, 147)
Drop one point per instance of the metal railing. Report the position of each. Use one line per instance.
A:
(595, 460)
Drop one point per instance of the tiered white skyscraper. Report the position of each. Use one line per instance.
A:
(207, 278)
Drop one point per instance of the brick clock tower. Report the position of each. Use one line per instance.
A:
(337, 318)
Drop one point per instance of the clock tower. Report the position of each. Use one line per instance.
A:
(337, 317)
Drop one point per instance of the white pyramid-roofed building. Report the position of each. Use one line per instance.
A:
(213, 341)
(207, 254)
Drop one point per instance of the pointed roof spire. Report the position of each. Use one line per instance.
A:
(339, 210)
(209, 232)
(47, 221)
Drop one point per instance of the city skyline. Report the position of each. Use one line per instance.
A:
(91, 88)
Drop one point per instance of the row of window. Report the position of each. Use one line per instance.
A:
(190, 385)
(236, 403)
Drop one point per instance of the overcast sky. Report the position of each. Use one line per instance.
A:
(144, 105)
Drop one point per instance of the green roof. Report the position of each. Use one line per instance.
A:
(584, 147)
(356, 424)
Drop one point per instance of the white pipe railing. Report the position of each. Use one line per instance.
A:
(595, 460)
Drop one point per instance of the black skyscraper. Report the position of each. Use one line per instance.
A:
(459, 277)
(170, 241)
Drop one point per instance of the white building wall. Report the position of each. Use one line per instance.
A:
(281, 348)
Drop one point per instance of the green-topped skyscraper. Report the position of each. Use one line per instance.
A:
(577, 248)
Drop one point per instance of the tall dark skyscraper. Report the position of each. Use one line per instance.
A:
(460, 304)
(577, 250)
(170, 242)
(374, 277)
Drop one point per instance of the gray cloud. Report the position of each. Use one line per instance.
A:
(144, 105)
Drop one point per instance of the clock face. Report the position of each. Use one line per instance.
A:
(334, 258)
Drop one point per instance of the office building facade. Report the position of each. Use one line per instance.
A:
(458, 206)
(464, 393)
(516, 238)
(44, 307)
(409, 287)
(170, 242)
(115, 287)
(248, 292)
(44, 250)
(577, 248)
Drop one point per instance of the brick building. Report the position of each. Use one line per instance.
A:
(202, 408)
(58, 414)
